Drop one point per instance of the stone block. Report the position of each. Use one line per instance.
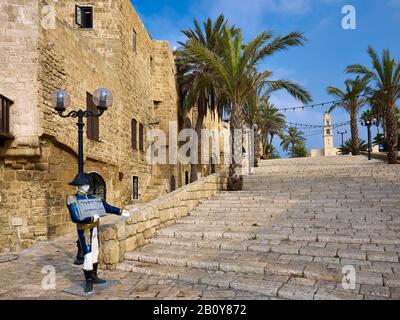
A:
(297, 292)
(110, 252)
(375, 291)
(17, 222)
(268, 288)
(328, 294)
(130, 243)
(107, 233)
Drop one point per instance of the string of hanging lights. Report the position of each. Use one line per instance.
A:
(312, 126)
(329, 103)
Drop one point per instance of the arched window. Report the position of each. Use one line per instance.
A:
(99, 188)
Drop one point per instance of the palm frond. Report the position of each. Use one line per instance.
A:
(281, 43)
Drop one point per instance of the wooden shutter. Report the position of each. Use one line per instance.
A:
(2, 114)
(78, 16)
(92, 129)
(141, 137)
(5, 104)
(134, 134)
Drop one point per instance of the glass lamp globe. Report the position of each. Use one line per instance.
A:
(103, 99)
(60, 100)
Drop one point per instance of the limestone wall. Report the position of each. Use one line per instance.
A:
(19, 33)
(36, 167)
(119, 236)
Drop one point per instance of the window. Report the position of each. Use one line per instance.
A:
(141, 137)
(152, 65)
(134, 40)
(5, 104)
(92, 130)
(134, 134)
(135, 188)
(98, 188)
(328, 132)
(187, 178)
(157, 104)
(172, 184)
(84, 17)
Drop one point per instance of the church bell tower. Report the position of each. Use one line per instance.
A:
(328, 135)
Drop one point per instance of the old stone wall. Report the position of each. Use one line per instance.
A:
(118, 235)
(19, 33)
(36, 167)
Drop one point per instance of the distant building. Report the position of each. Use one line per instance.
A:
(329, 150)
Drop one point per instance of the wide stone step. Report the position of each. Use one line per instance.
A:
(270, 285)
(267, 285)
(217, 221)
(226, 262)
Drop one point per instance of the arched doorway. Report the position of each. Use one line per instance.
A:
(213, 166)
(187, 178)
(99, 188)
(172, 184)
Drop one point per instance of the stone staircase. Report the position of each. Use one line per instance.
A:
(156, 189)
(289, 233)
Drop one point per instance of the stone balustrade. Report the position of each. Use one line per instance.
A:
(119, 235)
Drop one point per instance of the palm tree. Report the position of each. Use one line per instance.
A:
(195, 83)
(234, 74)
(273, 123)
(386, 74)
(352, 102)
(293, 139)
(299, 151)
(266, 116)
(273, 153)
(348, 146)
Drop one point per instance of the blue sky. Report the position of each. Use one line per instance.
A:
(318, 64)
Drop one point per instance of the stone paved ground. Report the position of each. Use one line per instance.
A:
(286, 236)
(290, 233)
(22, 278)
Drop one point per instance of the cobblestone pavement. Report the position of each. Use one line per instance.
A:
(22, 279)
(287, 235)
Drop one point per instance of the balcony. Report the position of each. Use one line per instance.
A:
(5, 105)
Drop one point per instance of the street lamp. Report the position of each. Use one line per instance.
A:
(342, 134)
(102, 98)
(369, 122)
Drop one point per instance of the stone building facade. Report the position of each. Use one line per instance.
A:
(43, 48)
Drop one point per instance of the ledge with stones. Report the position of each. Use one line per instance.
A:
(119, 235)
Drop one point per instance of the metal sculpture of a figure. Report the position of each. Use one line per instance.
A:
(85, 211)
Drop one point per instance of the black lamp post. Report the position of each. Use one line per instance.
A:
(102, 98)
(369, 122)
(342, 134)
